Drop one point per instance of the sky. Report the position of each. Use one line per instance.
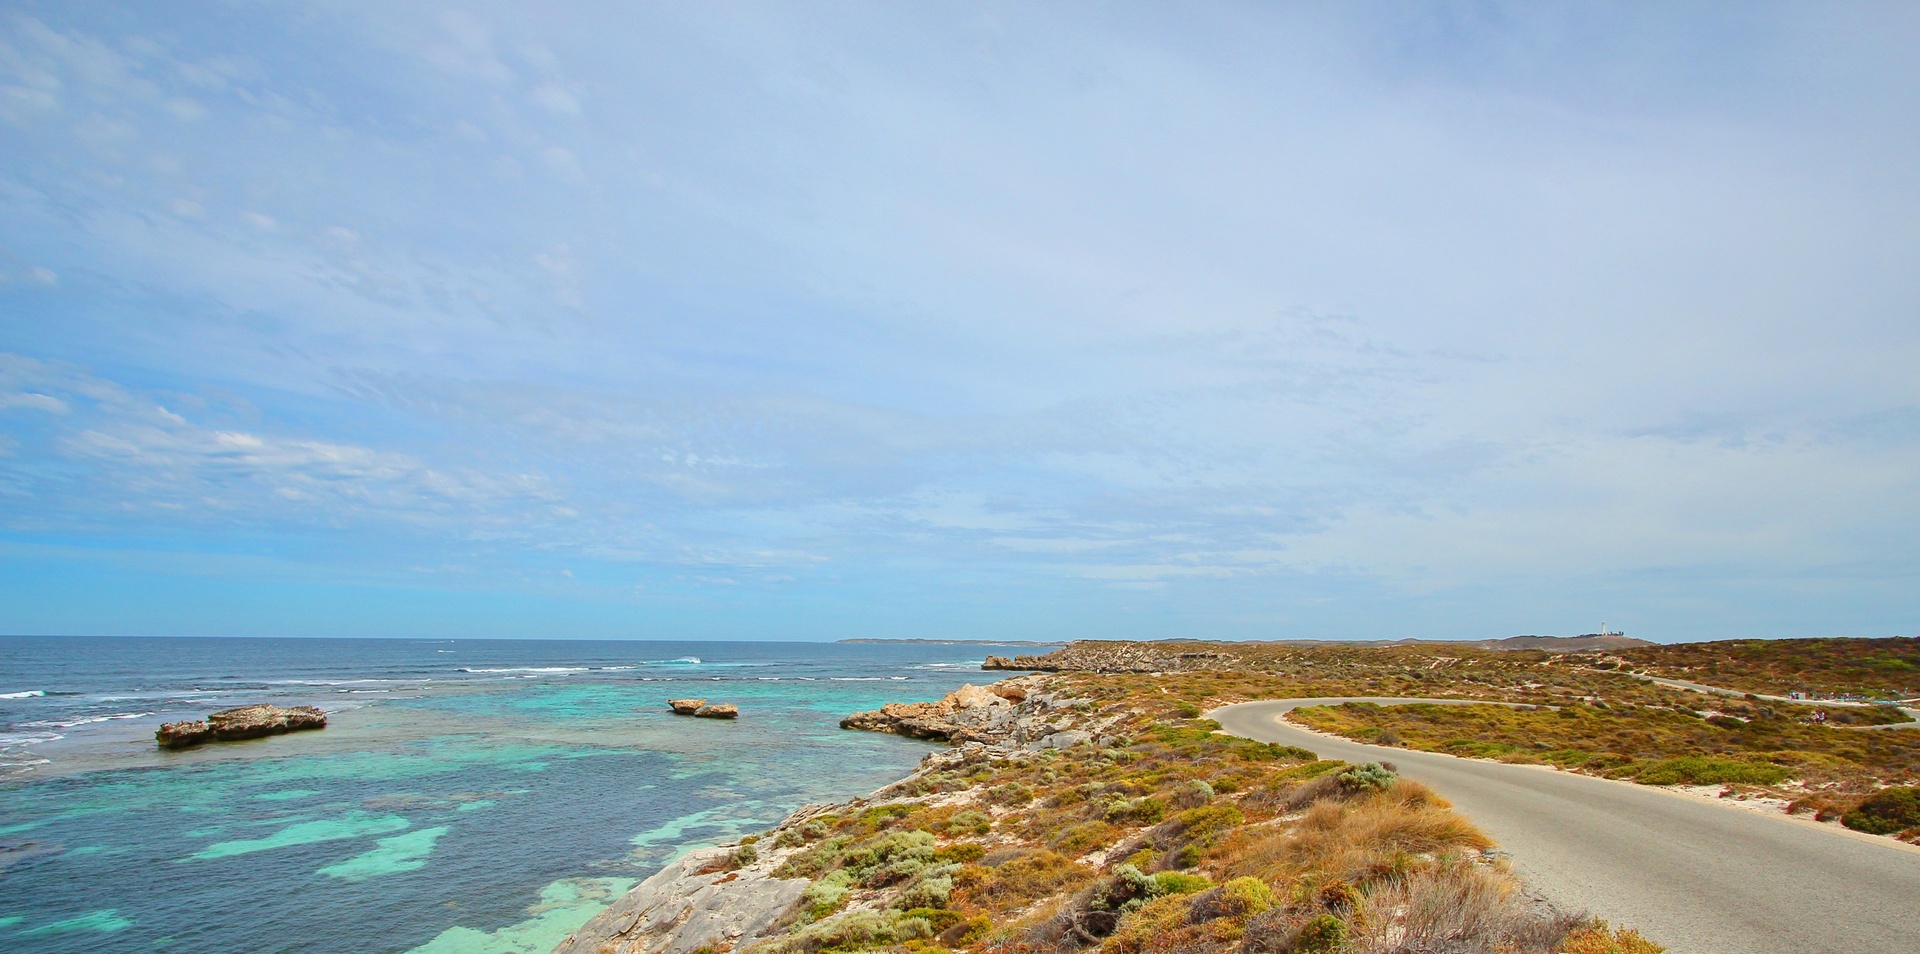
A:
(959, 320)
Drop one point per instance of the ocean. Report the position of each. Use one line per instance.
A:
(467, 796)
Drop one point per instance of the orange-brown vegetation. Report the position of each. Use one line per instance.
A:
(1162, 837)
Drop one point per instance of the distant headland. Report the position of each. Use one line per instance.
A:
(1558, 644)
(962, 642)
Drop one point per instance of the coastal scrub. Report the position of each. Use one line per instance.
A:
(1149, 832)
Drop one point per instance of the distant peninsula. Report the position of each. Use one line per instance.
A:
(961, 642)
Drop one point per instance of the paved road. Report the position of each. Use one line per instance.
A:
(1698, 877)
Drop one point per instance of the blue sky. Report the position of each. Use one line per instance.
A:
(806, 321)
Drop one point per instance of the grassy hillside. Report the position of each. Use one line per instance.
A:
(1881, 668)
(1592, 715)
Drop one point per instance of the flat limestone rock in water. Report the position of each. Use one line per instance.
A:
(686, 706)
(719, 710)
(245, 722)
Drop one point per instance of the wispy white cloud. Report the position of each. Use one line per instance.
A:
(115, 450)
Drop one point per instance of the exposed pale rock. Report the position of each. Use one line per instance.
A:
(719, 710)
(1065, 739)
(244, 722)
(1004, 713)
(687, 905)
(969, 696)
(686, 706)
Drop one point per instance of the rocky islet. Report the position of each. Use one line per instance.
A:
(699, 708)
(241, 722)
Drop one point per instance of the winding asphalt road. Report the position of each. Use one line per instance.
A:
(1698, 877)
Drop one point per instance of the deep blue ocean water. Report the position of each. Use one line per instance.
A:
(467, 796)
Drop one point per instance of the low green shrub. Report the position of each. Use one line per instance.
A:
(1144, 810)
(1699, 770)
(1886, 812)
(928, 892)
(1325, 934)
(1205, 822)
(862, 930)
(938, 918)
(1175, 882)
(1369, 777)
(1084, 837)
(967, 822)
(879, 815)
(1307, 772)
(825, 896)
(1238, 899)
(1012, 793)
(960, 851)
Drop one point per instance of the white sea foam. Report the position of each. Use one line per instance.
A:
(28, 694)
(85, 720)
(532, 669)
(616, 668)
(34, 738)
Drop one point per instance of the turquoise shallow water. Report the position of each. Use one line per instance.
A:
(466, 797)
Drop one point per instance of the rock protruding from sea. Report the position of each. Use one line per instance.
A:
(686, 706)
(719, 710)
(244, 722)
(1005, 713)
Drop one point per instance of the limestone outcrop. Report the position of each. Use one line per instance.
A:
(719, 710)
(686, 706)
(244, 722)
(1004, 714)
(700, 901)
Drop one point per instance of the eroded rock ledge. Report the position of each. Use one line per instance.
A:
(244, 722)
(1010, 716)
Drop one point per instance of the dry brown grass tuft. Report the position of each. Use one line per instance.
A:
(1369, 837)
(1461, 908)
(1596, 939)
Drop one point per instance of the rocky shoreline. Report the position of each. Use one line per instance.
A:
(727, 897)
